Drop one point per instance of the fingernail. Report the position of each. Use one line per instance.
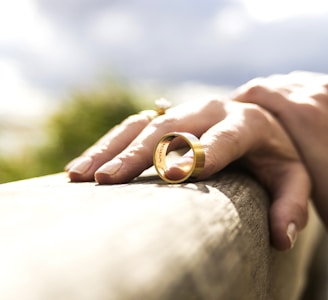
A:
(82, 165)
(68, 166)
(292, 234)
(71, 164)
(111, 167)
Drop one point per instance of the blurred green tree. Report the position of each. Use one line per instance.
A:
(76, 125)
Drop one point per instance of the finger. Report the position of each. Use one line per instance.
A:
(281, 172)
(223, 143)
(114, 142)
(279, 169)
(139, 155)
(304, 115)
(290, 188)
(281, 100)
(271, 99)
(180, 168)
(289, 211)
(132, 161)
(288, 82)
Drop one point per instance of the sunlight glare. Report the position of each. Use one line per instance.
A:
(18, 97)
(16, 17)
(275, 10)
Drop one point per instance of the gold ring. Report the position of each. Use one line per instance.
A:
(160, 153)
(161, 105)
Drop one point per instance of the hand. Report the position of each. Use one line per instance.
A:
(300, 102)
(228, 131)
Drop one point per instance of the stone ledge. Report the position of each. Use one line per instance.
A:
(145, 240)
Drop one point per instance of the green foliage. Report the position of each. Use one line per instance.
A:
(77, 124)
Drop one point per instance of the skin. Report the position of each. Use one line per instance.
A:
(229, 131)
(299, 100)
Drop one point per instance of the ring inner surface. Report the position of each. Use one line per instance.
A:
(163, 156)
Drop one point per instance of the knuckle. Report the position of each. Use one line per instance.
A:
(165, 122)
(136, 119)
(255, 91)
(257, 114)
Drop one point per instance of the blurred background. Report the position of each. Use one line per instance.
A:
(71, 69)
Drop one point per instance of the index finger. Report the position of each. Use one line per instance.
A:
(114, 142)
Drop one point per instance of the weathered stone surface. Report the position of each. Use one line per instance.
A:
(145, 240)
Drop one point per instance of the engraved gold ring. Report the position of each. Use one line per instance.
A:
(161, 151)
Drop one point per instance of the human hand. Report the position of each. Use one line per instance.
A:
(228, 131)
(299, 100)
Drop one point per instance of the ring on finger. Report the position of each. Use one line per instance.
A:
(160, 154)
(161, 105)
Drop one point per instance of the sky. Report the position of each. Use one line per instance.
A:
(50, 47)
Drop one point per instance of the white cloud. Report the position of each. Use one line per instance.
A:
(231, 23)
(113, 27)
(59, 45)
(39, 47)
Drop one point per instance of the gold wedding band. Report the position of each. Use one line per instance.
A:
(161, 105)
(160, 153)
